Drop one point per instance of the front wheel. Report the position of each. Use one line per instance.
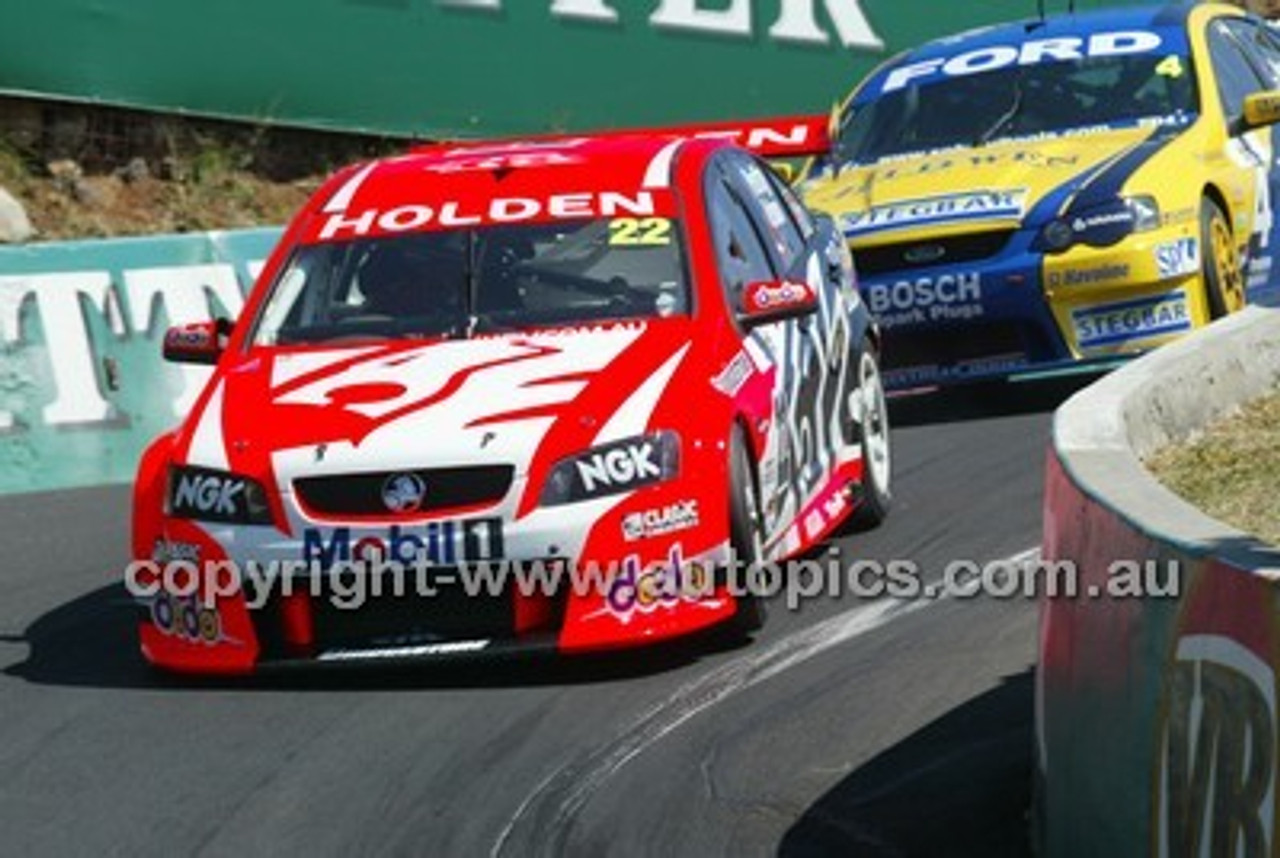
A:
(877, 460)
(746, 531)
(1223, 279)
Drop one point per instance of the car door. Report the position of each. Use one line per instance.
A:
(1260, 44)
(777, 235)
(743, 258)
(1239, 72)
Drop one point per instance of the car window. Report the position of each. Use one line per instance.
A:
(495, 278)
(1235, 74)
(1043, 98)
(800, 214)
(1261, 45)
(740, 252)
(753, 181)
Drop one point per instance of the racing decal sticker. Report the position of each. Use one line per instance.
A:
(765, 296)
(639, 232)
(681, 515)
(1030, 52)
(646, 588)
(946, 208)
(1176, 258)
(943, 298)
(412, 651)
(1088, 276)
(436, 543)
(186, 618)
(1139, 319)
(452, 214)
(734, 375)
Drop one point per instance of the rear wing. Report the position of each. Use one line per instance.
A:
(776, 137)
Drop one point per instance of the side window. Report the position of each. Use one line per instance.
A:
(799, 213)
(1236, 76)
(740, 254)
(771, 212)
(1262, 46)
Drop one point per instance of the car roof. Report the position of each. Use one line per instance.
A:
(1169, 20)
(1063, 24)
(455, 185)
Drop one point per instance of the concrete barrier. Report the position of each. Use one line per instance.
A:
(1156, 714)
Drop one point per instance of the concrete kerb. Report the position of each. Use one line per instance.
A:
(1102, 434)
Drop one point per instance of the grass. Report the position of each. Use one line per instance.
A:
(201, 174)
(1232, 470)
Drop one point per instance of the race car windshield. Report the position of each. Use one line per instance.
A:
(462, 282)
(1020, 101)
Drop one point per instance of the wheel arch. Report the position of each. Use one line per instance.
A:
(1214, 193)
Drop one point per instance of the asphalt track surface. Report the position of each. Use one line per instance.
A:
(848, 727)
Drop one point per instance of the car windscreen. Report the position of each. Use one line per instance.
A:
(466, 281)
(1019, 101)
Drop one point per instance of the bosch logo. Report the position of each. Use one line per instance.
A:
(208, 494)
(403, 492)
(621, 466)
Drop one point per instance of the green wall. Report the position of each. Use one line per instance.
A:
(68, 311)
(442, 68)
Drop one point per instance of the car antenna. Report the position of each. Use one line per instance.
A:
(1035, 25)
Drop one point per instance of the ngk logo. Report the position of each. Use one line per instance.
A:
(205, 493)
(630, 464)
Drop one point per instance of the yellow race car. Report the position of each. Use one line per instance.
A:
(1059, 192)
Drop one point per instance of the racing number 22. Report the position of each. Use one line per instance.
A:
(636, 232)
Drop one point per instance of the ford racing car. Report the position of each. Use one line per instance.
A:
(636, 353)
(1058, 192)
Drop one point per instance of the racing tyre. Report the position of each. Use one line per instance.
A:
(1223, 279)
(746, 530)
(877, 459)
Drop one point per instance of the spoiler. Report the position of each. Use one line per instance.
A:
(775, 137)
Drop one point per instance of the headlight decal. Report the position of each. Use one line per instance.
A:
(613, 468)
(205, 494)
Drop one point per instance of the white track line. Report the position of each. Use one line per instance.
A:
(579, 778)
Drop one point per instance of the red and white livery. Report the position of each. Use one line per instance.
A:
(636, 353)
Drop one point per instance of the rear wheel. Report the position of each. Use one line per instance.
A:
(877, 458)
(1223, 279)
(746, 530)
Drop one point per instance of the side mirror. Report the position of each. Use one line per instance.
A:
(765, 301)
(1260, 108)
(199, 342)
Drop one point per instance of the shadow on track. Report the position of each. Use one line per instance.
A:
(92, 642)
(982, 401)
(957, 787)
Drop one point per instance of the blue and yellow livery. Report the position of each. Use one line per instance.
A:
(1058, 192)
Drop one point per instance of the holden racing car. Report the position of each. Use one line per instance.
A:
(637, 351)
(1058, 192)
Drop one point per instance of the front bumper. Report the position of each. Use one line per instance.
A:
(568, 580)
(1021, 312)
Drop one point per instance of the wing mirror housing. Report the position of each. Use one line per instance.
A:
(1260, 109)
(199, 342)
(765, 301)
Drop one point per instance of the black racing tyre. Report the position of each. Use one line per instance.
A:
(746, 531)
(1220, 262)
(873, 433)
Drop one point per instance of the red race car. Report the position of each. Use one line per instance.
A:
(556, 393)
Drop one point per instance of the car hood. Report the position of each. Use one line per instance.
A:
(968, 189)
(523, 400)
